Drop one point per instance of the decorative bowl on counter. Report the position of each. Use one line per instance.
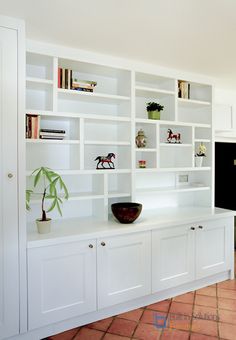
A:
(126, 212)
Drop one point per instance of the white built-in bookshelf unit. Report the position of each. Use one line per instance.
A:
(108, 120)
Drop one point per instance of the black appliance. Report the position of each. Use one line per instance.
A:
(225, 175)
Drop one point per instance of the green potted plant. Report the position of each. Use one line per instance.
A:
(154, 110)
(51, 182)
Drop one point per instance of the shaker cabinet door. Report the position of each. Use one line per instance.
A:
(124, 268)
(214, 245)
(61, 282)
(172, 257)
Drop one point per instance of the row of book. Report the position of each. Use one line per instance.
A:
(183, 89)
(32, 126)
(67, 79)
(33, 130)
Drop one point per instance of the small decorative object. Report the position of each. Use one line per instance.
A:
(126, 212)
(173, 137)
(107, 160)
(50, 181)
(141, 139)
(154, 110)
(201, 152)
(142, 164)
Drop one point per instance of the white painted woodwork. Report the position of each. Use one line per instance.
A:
(9, 270)
(172, 257)
(223, 118)
(212, 247)
(108, 120)
(67, 279)
(61, 282)
(123, 268)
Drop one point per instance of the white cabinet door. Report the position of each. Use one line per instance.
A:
(61, 282)
(124, 268)
(172, 257)
(9, 272)
(213, 247)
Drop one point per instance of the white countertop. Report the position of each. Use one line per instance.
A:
(71, 230)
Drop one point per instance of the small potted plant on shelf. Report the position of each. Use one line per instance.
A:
(154, 110)
(50, 182)
(201, 152)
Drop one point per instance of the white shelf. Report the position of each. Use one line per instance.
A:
(99, 97)
(86, 172)
(72, 197)
(179, 145)
(115, 194)
(193, 103)
(94, 142)
(39, 81)
(185, 169)
(58, 115)
(170, 123)
(51, 141)
(202, 140)
(177, 189)
(145, 150)
(148, 91)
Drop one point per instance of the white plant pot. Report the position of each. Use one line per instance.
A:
(44, 227)
(198, 161)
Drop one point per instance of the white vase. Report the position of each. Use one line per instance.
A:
(44, 227)
(198, 161)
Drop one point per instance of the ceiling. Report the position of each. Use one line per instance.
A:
(192, 35)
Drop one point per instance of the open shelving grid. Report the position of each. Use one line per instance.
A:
(107, 120)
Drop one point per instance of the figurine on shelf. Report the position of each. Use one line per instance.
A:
(105, 159)
(142, 164)
(201, 152)
(141, 139)
(173, 137)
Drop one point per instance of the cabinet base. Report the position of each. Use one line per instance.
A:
(122, 308)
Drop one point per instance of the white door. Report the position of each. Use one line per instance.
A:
(172, 257)
(213, 247)
(9, 274)
(61, 282)
(124, 268)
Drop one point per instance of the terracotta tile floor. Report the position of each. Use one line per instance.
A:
(206, 314)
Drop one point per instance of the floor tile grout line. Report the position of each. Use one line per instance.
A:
(138, 323)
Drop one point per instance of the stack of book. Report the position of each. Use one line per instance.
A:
(52, 134)
(67, 79)
(183, 89)
(83, 85)
(32, 125)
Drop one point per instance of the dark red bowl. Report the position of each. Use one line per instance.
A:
(126, 212)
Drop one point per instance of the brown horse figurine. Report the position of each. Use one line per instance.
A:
(173, 136)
